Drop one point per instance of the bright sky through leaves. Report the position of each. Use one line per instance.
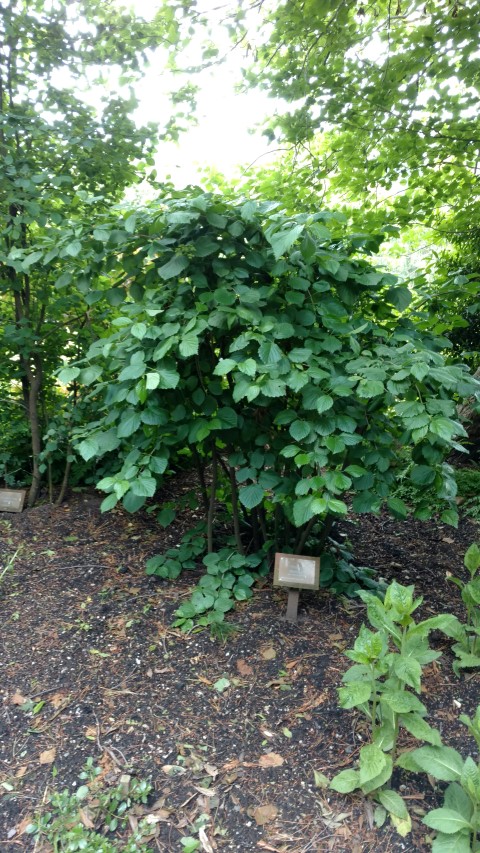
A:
(224, 117)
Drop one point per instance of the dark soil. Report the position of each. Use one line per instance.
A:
(86, 632)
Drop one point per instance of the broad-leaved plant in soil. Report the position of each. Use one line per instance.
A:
(458, 821)
(467, 648)
(256, 349)
(383, 684)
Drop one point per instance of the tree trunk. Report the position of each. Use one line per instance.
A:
(34, 386)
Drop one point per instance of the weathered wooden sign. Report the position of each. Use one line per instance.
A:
(12, 500)
(296, 572)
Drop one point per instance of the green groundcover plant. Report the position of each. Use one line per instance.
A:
(467, 647)
(384, 684)
(95, 817)
(267, 354)
(458, 821)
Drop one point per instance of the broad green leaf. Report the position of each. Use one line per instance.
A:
(282, 241)
(88, 448)
(356, 693)
(393, 803)
(152, 381)
(299, 430)
(419, 728)
(108, 503)
(472, 558)
(458, 843)
(224, 366)
(306, 508)
(251, 496)
(144, 486)
(269, 352)
(345, 781)
(408, 670)
(368, 388)
(447, 821)
(372, 762)
(456, 798)
(68, 374)
(139, 330)
(173, 267)
(397, 507)
(441, 762)
(188, 346)
(324, 403)
(129, 423)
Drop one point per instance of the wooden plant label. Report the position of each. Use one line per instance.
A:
(295, 570)
(12, 500)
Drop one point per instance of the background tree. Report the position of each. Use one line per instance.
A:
(61, 159)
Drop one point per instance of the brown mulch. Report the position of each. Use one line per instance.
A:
(85, 632)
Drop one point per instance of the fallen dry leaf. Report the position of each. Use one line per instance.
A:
(203, 838)
(48, 756)
(243, 667)
(91, 732)
(271, 759)
(86, 819)
(173, 770)
(269, 653)
(21, 827)
(18, 699)
(21, 772)
(264, 814)
(58, 699)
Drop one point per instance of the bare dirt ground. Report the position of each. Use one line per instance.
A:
(90, 666)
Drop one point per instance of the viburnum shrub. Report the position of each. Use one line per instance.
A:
(269, 357)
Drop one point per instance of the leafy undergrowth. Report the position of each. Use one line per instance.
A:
(232, 737)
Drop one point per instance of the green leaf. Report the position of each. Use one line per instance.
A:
(88, 448)
(188, 346)
(224, 366)
(251, 496)
(173, 267)
(397, 507)
(419, 728)
(472, 558)
(408, 670)
(144, 486)
(393, 803)
(282, 241)
(166, 516)
(441, 762)
(324, 403)
(74, 248)
(446, 820)
(346, 781)
(372, 763)
(422, 475)
(108, 503)
(356, 693)
(306, 508)
(459, 843)
(299, 430)
(129, 423)
(152, 381)
(270, 353)
(68, 374)
(139, 330)
(368, 388)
